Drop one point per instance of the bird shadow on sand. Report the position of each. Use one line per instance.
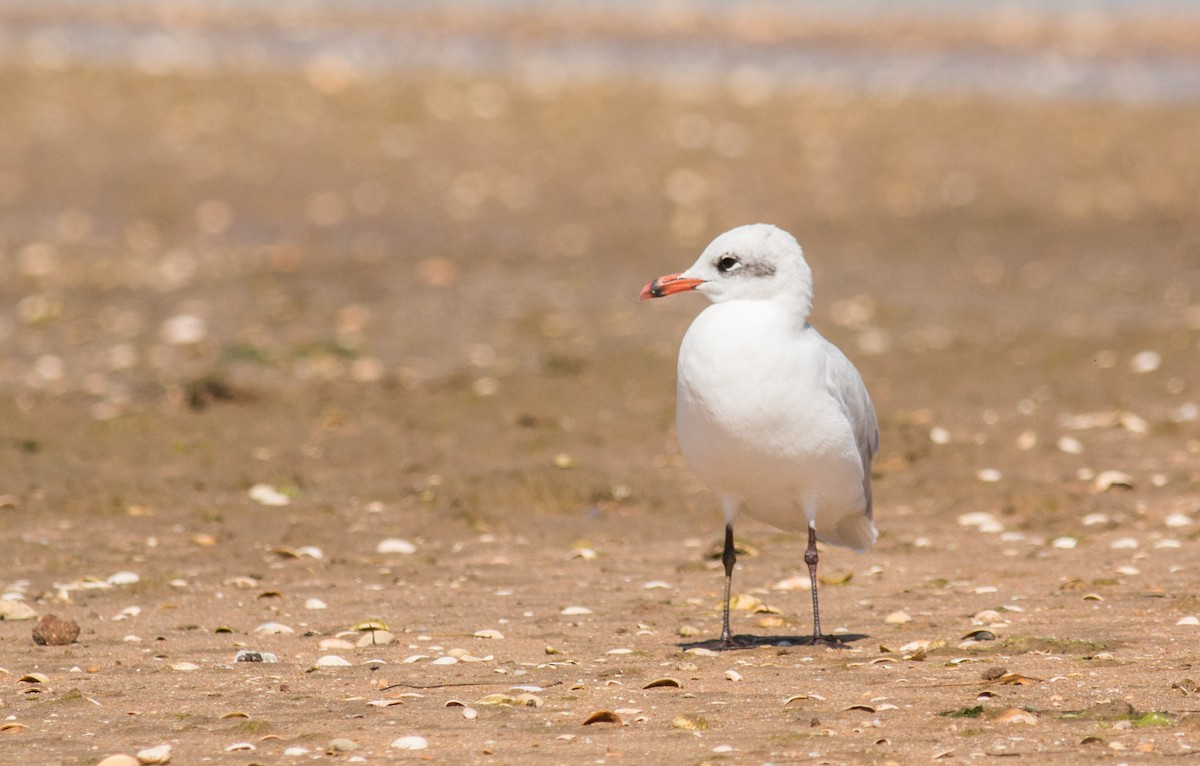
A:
(840, 641)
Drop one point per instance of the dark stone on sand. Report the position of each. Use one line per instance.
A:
(52, 630)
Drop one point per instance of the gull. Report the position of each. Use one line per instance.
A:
(769, 413)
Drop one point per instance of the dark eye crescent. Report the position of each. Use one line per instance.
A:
(726, 263)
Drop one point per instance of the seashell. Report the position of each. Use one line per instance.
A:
(155, 755)
(123, 578)
(371, 625)
(603, 716)
(661, 682)
(488, 633)
(1106, 480)
(574, 611)
(1015, 715)
(395, 545)
(265, 494)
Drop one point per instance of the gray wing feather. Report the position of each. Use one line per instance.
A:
(847, 386)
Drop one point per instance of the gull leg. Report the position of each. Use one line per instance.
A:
(728, 558)
(810, 558)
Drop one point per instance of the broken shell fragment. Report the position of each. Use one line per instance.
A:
(1015, 715)
(660, 682)
(575, 611)
(1106, 480)
(603, 716)
(488, 633)
(395, 545)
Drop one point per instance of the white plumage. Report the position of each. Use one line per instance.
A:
(769, 413)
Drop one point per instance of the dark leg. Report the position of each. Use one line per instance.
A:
(728, 558)
(810, 558)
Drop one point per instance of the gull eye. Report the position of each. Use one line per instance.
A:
(727, 263)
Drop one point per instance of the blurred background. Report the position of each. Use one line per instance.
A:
(393, 249)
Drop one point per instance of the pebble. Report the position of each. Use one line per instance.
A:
(1189, 620)
(1065, 543)
(155, 755)
(273, 629)
(52, 630)
(119, 760)
(335, 643)
(733, 675)
(898, 617)
(185, 667)
(990, 475)
(295, 752)
(395, 545)
(410, 743)
(249, 655)
(332, 661)
(315, 603)
(1124, 543)
(341, 745)
(1178, 520)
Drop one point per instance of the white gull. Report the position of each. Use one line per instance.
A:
(769, 413)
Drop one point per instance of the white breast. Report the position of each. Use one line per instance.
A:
(758, 420)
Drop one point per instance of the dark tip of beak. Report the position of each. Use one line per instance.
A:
(669, 285)
(652, 290)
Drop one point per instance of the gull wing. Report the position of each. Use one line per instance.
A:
(846, 386)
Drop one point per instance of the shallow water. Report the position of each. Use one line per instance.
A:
(370, 36)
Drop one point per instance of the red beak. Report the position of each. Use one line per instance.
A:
(668, 285)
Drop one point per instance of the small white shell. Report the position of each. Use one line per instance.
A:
(395, 545)
(410, 743)
(573, 611)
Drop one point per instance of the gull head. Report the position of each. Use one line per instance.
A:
(758, 262)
